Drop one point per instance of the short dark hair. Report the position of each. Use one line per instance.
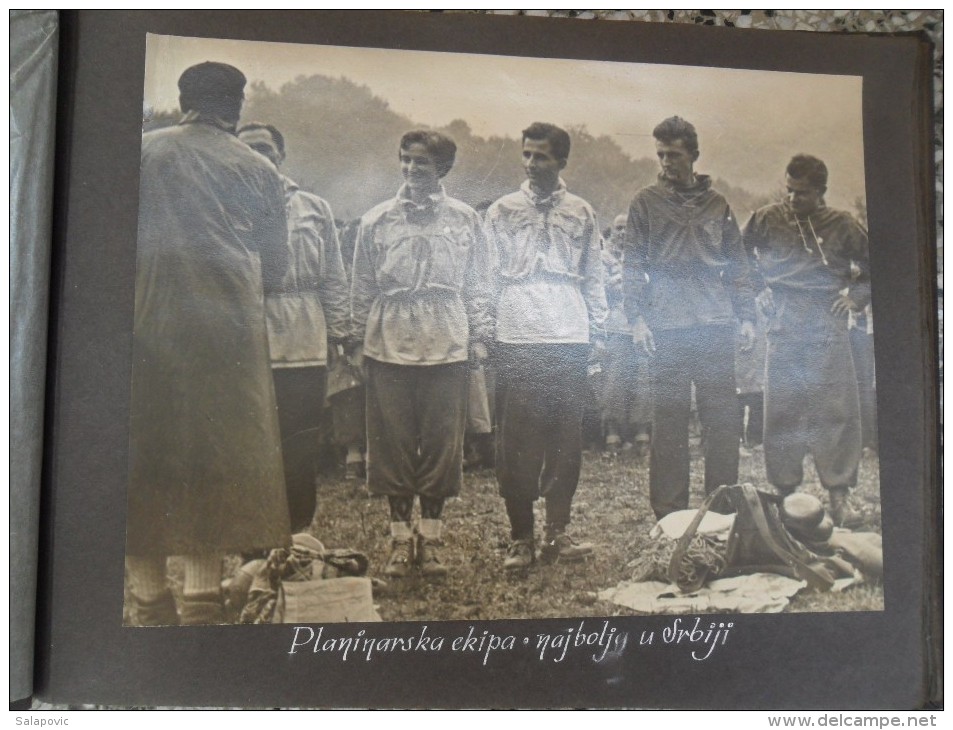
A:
(277, 136)
(212, 88)
(810, 168)
(676, 128)
(443, 149)
(557, 137)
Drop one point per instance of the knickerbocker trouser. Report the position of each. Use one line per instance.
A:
(416, 416)
(811, 406)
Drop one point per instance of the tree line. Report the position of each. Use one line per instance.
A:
(341, 142)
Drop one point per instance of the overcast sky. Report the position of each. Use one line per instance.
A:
(749, 122)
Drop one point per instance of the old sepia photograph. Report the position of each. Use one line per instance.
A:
(427, 336)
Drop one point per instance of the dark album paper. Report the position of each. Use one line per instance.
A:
(401, 358)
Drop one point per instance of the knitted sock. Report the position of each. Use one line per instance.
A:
(430, 529)
(203, 576)
(401, 530)
(520, 512)
(354, 455)
(558, 510)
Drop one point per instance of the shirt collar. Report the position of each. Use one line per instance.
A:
(194, 117)
(290, 185)
(429, 205)
(702, 183)
(820, 213)
(543, 201)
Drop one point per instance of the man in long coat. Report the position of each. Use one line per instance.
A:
(205, 471)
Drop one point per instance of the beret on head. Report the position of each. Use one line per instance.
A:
(212, 80)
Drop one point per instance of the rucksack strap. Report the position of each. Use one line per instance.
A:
(814, 578)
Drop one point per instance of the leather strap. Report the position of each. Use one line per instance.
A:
(682, 545)
(815, 578)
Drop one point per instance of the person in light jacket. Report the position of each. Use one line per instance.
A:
(306, 321)
(550, 317)
(419, 313)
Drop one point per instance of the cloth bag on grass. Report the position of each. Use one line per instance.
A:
(337, 600)
(308, 584)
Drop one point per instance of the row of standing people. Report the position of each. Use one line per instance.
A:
(623, 415)
(618, 417)
(691, 276)
(435, 292)
(254, 261)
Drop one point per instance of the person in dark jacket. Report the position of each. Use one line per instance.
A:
(805, 252)
(687, 281)
(205, 467)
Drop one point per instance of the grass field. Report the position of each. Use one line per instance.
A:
(611, 510)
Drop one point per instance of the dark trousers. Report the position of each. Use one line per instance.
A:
(300, 396)
(705, 356)
(540, 395)
(416, 416)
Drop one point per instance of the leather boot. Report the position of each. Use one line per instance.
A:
(558, 545)
(158, 612)
(202, 610)
(841, 512)
(520, 556)
(402, 559)
(429, 544)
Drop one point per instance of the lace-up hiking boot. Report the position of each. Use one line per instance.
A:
(160, 611)
(429, 559)
(401, 560)
(561, 547)
(842, 513)
(202, 610)
(520, 556)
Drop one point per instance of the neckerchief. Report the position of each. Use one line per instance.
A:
(545, 201)
(419, 212)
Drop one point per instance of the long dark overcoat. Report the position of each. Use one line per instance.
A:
(206, 471)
